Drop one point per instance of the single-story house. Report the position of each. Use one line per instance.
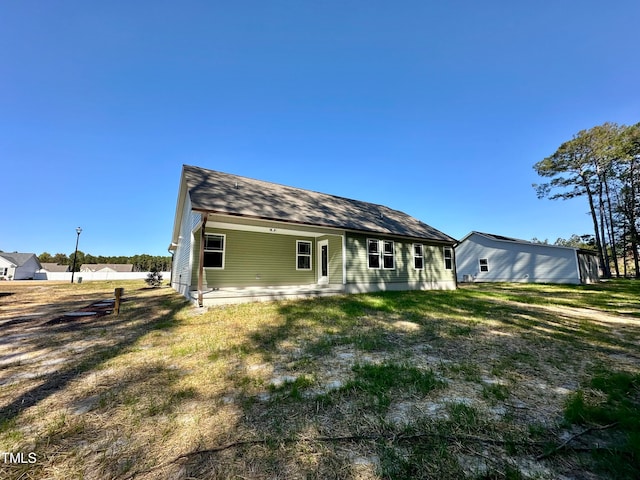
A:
(18, 266)
(238, 239)
(486, 257)
(106, 267)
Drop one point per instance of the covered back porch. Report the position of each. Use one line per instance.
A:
(243, 260)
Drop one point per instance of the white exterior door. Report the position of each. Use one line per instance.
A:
(323, 262)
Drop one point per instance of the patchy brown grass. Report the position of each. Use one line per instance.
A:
(464, 384)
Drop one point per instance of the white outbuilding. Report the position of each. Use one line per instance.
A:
(486, 257)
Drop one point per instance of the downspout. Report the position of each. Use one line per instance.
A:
(201, 261)
(171, 272)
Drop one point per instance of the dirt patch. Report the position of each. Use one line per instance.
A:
(44, 327)
(81, 316)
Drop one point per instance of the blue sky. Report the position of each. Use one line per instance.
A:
(438, 109)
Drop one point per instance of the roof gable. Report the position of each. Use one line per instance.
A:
(503, 239)
(54, 267)
(223, 193)
(19, 259)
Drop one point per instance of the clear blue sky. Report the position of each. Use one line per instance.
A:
(438, 109)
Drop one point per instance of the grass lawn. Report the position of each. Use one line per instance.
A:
(503, 381)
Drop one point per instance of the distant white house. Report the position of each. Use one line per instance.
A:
(18, 266)
(485, 257)
(107, 267)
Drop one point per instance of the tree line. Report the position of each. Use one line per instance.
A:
(602, 165)
(586, 242)
(141, 263)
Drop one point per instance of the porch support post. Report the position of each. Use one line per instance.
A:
(201, 260)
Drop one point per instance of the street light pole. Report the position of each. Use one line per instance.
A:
(75, 255)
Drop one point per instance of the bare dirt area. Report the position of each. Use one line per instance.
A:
(38, 321)
(49, 330)
(489, 381)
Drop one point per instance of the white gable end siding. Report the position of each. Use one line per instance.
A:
(182, 258)
(27, 271)
(515, 262)
(8, 266)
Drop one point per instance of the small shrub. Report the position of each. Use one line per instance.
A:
(154, 279)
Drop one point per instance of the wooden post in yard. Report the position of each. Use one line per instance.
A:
(118, 294)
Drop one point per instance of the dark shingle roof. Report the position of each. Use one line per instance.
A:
(18, 259)
(503, 238)
(116, 267)
(224, 193)
(54, 267)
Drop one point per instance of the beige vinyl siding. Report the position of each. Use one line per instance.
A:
(404, 271)
(256, 259)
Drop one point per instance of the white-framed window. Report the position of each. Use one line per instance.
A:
(373, 253)
(381, 254)
(418, 256)
(303, 255)
(484, 264)
(448, 258)
(388, 255)
(214, 247)
(3, 272)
